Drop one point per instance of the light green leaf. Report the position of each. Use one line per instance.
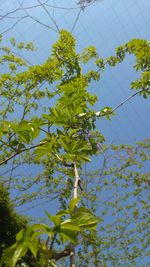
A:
(20, 235)
(84, 218)
(68, 235)
(33, 246)
(62, 213)
(55, 219)
(41, 227)
(69, 225)
(72, 204)
(20, 251)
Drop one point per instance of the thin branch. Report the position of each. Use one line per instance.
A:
(19, 9)
(21, 151)
(43, 6)
(59, 255)
(25, 59)
(68, 8)
(30, 16)
(8, 145)
(9, 29)
(34, 205)
(62, 161)
(10, 177)
(53, 241)
(127, 99)
(121, 104)
(76, 20)
(41, 23)
(98, 114)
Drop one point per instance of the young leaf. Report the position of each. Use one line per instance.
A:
(68, 235)
(33, 246)
(72, 204)
(20, 251)
(84, 218)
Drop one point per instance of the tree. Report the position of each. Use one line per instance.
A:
(60, 138)
(10, 223)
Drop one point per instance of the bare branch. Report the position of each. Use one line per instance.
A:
(9, 29)
(38, 21)
(127, 99)
(48, 13)
(76, 20)
(19, 9)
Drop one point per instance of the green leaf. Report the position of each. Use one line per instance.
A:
(55, 219)
(20, 235)
(72, 204)
(41, 227)
(39, 152)
(64, 143)
(84, 218)
(69, 225)
(85, 158)
(20, 251)
(68, 235)
(62, 213)
(33, 246)
(25, 136)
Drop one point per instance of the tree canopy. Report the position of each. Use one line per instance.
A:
(48, 123)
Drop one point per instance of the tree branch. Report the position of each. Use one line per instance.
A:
(48, 13)
(77, 181)
(121, 104)
(75, 195)
(59, 255)
(21, 151)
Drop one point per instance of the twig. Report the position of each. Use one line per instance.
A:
(19, 9)
(9, 29)
(59, 255)
(76, 20)
(121, 104)
(98, 114)
(38, 21)
(53, 240)
(10, 177)
(21, 151)
(68, 8)
(43, 6)
(8, 145)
